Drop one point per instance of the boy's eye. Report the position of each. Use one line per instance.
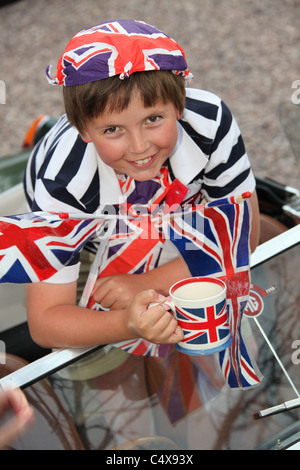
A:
(111, 130)
(153, 119)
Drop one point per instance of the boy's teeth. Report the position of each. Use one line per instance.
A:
(142, 162)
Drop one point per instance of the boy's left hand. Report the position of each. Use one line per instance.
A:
(117, 292)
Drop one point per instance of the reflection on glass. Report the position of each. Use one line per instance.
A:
(115, 398)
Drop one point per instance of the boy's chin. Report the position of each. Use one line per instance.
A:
(143, 176)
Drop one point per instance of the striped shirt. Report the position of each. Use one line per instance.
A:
(66, 174)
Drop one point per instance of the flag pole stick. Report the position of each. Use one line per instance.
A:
(276, 357)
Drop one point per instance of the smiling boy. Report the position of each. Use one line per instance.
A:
(137, 141)
(133, 134)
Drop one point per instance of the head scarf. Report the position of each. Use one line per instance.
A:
(117, 48)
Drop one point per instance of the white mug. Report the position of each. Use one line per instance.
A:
(200, 307)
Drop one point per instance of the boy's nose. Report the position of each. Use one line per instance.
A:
(138, 144)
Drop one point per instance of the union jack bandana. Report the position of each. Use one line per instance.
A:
(117, 48)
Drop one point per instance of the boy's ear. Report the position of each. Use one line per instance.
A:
(85, 137)
(179, 115)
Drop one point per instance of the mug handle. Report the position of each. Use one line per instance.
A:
(166, 302)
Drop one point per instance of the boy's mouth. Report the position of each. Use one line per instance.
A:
(143, 163)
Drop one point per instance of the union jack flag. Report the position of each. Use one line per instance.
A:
(117, 48)
(213, 239)
(33, 247)
(223, 253)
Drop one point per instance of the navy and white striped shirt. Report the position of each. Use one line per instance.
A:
(66, 174)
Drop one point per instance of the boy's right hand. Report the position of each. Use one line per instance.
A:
(156, 324)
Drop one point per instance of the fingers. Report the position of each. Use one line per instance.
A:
(114, 301)
(149, 296)
(157, 322)
(100, 292)
(12, 399)
(176, 336)
(116, 292)
(17, 400)
(152, 322)
(17, 415)
(15, 427)
(108, 295)
(166, 328)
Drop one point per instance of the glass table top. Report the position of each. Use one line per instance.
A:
(116, 400)
(183, 400)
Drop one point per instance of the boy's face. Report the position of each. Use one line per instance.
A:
(136, 141)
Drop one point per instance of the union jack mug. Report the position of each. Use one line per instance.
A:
(200, 307)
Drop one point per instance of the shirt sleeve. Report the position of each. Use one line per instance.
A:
(62, 173)
(56, 181)
(65, 275)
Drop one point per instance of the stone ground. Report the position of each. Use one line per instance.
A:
(245, 51)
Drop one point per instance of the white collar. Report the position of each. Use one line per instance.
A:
(187, 159)
(110, 191)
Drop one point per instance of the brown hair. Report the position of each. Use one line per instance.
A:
(89, 100)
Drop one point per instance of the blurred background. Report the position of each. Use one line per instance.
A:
(247, 52)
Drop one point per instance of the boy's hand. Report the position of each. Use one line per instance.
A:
(116, 292)
(156, 324)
